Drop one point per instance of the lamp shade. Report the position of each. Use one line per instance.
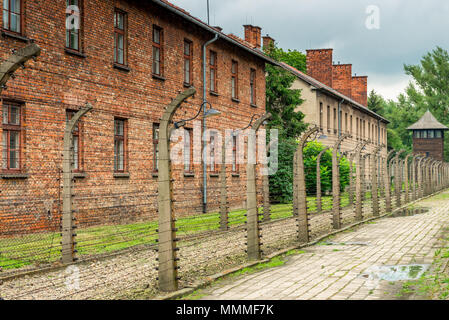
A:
(211, 113)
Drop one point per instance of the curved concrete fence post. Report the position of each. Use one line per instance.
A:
(363, 176)
(387, 182)
(168, 280)
(414, 174)
(351, 179)
(252, 227)
(374, 180)
(300, 184)
(380, 176)
(224, 205)
(266, 198)
(358, 182)
(68, 221)
(319, 205)
(397, 178)
(427, 176)
(336, 211)
(420, 171)
(15, 61)
(406, 178)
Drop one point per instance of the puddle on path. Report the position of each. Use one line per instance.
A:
(353, 243)
(395, 273)
(408, 212)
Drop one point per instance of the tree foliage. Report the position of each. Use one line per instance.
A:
(281, 99)
(311, 152)
(281, 184)
(428, 90)
(282, 102)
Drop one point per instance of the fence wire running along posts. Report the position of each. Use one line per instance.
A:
(126, 250)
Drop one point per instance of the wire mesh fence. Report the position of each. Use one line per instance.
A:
(117, 234)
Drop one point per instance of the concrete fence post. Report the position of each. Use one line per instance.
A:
(363, 176)
(358, 181)
(319, 204)
(406, 178)
(68, 222)
(432, 177)
(301, 201)
(266, 198)
(425, 162)
(336, 211)
(351, 179)
(420, 171)
(426, 176)
(414, 180)
(387, 182)
(397, 178)
(252, 227)
(168, 270)
(435, 176)
(374, 179)
(380, 184)
(15, 61)
(224, 206)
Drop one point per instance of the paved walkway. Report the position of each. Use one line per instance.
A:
(352, 264)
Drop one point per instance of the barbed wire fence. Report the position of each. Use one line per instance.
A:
(62, 238)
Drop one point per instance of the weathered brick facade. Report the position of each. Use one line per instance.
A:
(342, 78)
(319, 65)
(332, 95)
(62, 80)
(359, 89)
(339, 77)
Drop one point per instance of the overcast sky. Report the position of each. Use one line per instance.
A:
(407, 30)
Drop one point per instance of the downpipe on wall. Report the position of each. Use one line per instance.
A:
(204, 120)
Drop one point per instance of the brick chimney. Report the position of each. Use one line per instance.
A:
(319, 65)
(253, 35)
(360, 90)
(267, 41)
(342, 78)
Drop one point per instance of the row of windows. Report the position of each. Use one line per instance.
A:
(12, 21)
(361, 131)
(428, 134)
(158, 59)
(12, 125)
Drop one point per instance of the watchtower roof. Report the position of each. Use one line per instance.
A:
(427, 121)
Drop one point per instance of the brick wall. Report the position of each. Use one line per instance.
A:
(58, 81)
(338, 77)
(359, 89)
(342, 78)
(319, 65)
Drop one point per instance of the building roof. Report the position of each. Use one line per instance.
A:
(321, 86)
(228, 38)
(427, 121)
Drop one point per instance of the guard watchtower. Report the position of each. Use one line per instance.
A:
(428, 136)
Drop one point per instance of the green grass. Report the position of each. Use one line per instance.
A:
(44, 248)
(440, 196)
(434, 284)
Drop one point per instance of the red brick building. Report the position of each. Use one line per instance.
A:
(128, 59)
(336, 101)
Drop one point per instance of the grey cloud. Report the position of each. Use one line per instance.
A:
(408, 28)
